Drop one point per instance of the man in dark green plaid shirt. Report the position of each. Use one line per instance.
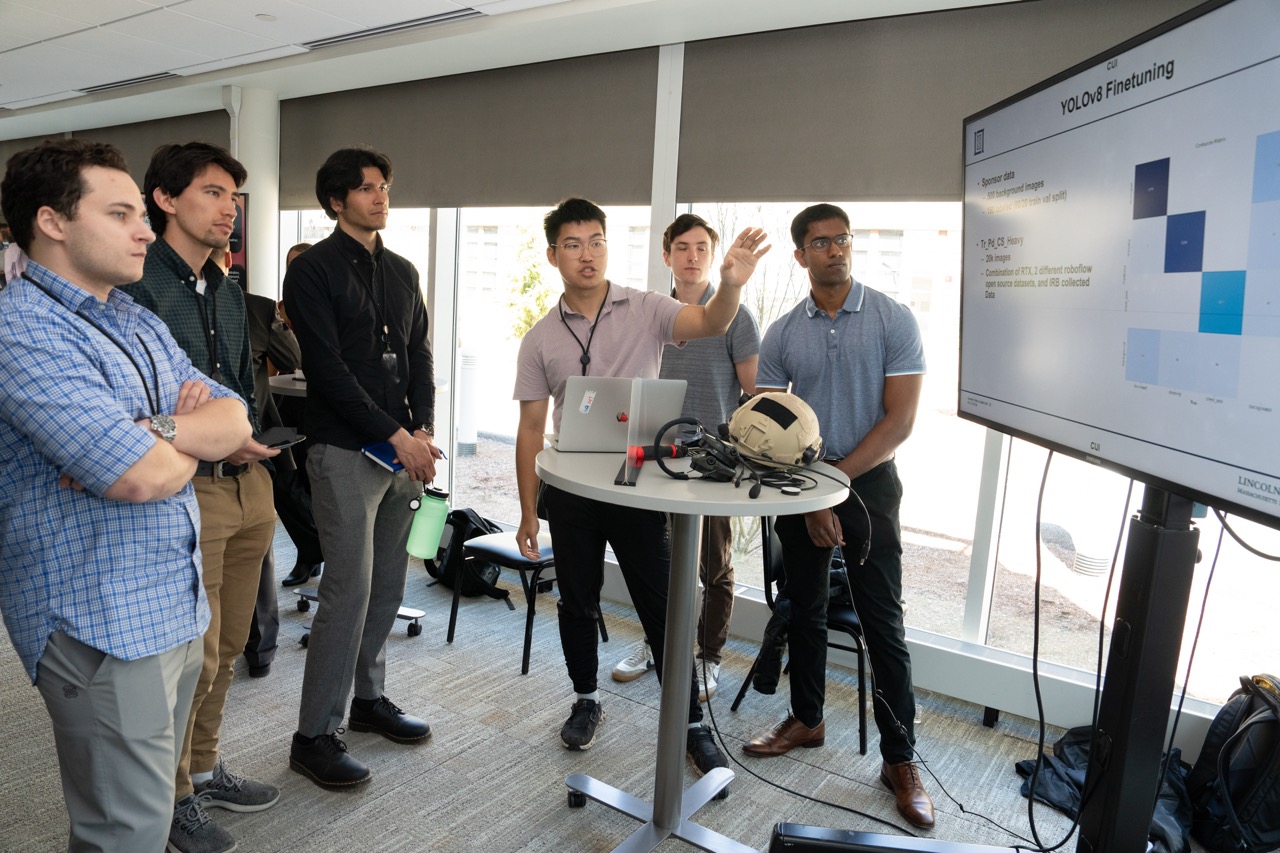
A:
(191, 192)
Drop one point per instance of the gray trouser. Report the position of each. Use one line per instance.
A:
(363, 516)
(118, 727)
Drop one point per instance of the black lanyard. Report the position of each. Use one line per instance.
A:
(585, 358)
(152, 402)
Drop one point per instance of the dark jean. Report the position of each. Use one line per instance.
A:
(580, 527)
(877, 597)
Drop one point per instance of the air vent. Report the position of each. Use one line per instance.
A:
(120, 84)
(403, 26)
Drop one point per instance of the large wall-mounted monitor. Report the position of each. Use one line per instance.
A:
(1121, 276)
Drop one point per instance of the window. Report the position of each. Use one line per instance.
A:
(505, 285)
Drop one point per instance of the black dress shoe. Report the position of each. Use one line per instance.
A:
(381, 716)
(324, 760)
(260, 671)
(301, 573)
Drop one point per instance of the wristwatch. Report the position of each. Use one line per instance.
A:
(165, 427)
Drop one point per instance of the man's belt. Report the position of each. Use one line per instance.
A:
(218, 470)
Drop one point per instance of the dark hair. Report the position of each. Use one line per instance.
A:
(815, 213)
(173, 167)
(685, 223)
(344, 171)
(571, 210)
(51, 174)
(297, 247)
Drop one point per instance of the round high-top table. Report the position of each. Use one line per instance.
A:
(592, 475)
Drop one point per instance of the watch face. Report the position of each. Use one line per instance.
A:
(165, 427)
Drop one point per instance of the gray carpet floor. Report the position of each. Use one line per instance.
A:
(492, 776)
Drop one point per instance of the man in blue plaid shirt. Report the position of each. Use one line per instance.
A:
(102, 421)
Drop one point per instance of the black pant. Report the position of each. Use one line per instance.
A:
(264, 628)
(877, 594)
(580, 527)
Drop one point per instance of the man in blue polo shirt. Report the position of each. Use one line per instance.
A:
(102, 421)
(855, 356)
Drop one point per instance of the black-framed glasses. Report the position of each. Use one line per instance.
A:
(573, 248)
(823, 243)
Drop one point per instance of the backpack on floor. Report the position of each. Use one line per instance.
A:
(452, 566)
(1235, 784)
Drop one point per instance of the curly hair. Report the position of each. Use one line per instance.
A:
(50, 175)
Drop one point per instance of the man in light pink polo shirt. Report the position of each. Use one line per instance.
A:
(598, 328)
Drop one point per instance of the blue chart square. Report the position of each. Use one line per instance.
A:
(1151, 189)
(1142, 356)
(1184, 242)
(1266, 168)
(1222, 302)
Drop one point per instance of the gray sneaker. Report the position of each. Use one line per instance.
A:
(228, 791)
(193, 831)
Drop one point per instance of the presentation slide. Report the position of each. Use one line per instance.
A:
(1121, 281)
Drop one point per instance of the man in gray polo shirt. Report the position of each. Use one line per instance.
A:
(855, 356)
(718, 370)
(598, 328)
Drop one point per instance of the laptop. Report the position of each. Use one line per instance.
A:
(606, 414)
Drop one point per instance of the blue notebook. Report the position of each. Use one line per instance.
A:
(384, 454)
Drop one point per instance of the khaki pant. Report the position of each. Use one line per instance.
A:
(237, 523)
(715, 570)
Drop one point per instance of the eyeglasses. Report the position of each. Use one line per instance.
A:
(823, 243)
(573, 248)
(383, 188)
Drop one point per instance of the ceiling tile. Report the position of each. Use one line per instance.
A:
(110, 56)
(294, 24)
(91, 14)
(205, 38)
(20, 25)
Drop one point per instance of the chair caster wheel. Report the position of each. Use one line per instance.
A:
(414, 629)
(303, 605)
(722, 794)
(305, 639)
(577, 799)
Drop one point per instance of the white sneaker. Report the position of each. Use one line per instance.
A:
(635, 664)
(708, 679)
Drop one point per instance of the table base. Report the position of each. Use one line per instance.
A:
(649, 836)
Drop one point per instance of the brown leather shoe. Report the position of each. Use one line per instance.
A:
(914, 802)
(785, 736)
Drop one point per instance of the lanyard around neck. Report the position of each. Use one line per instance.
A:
(152, 402)
(585, 358)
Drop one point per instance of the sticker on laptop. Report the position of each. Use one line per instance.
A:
(588, 398)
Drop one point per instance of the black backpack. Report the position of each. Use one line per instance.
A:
(1235, 784)
(478, 577)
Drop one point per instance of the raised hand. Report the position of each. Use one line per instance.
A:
(740, 259)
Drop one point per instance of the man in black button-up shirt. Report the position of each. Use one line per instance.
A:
(362, 324)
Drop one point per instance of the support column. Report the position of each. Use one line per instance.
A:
(255, 142)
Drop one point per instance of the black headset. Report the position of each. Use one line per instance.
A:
(710, 458)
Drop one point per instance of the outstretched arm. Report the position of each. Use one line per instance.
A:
(705, 321)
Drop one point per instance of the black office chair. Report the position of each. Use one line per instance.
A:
(501, 548)
(841, 620)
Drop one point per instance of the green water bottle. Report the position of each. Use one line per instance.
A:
(429, 514)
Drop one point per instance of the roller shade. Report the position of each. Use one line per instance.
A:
(872, 110)
(139, 140)
(528, 135)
